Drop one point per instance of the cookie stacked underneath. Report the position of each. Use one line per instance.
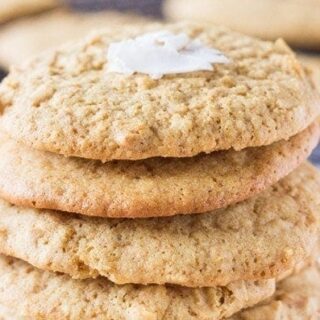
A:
(184, 197)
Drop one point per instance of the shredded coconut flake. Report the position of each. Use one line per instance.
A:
(161, 53)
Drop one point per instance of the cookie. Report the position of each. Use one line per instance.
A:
(146, 188)
(29, 36)
(65, 102)
(296, 21)
(297, 297)
(36, 294)
(10, 9)
(237, 243)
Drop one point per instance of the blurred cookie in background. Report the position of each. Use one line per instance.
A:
(312, 62)
(297, 21)
(10, 9)
(31, 35)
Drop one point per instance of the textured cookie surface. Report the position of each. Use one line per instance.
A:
(297, 21)
(65, 101)
(31, 35)
(146, 188)
(297, 297)
(14, 8)
(7, 314)
(237, 243)
(35, 294)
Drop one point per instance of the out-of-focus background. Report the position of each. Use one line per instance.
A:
(151, 8)
(28, 27)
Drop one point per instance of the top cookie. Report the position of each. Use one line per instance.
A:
(297, 21)
(65, 101)
(15, 8)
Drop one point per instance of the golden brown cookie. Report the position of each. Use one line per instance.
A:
(31, 35)
(10, 9)
(297, 297)
(241, 242)
(65, 101)
(297, 21)
(36, 294)
(146, 188)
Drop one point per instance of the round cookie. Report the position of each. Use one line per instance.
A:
(31, 35)
(10, 9)
(65, 102)
(37, 295)
(146, 188)
(297, 21)
(297, 297)
(237, 243)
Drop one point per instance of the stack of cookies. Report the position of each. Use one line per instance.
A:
(142, 195)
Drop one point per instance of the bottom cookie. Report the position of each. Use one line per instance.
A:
(30, 293)
(35, 294)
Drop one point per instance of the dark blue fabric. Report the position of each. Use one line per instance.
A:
(147, 7)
